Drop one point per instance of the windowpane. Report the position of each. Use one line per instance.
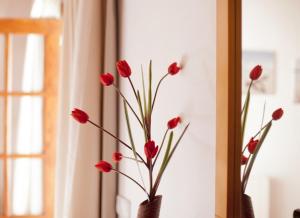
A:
(2, 120)
(2, 49)
(25, 186)
(26, 71)
(1, 187)
(25, 125)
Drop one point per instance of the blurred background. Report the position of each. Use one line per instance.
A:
(271, 38)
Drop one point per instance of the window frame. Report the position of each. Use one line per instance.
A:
(51, 31)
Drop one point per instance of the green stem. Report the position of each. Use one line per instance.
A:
(133, 89)
(156, 91)
(124, 98)
(160, 147)
(130, 158)
(119, 140)
(117, 171)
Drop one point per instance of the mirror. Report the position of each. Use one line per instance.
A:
(270, 33)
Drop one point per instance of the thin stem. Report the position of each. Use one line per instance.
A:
(151, 175)
(263, 117)
(244, 172)
(156, 91)
(161, 145)
(121, 94)
(262, 129)
(244, 149)
(130, 158)
(117, 171)
(115, 137)
(133, 89)
(247, 93)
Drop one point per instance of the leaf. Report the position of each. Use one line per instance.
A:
(142, 115)
(176, 144)
(150, 90)
(245, 114)
(164, 165)
(129, 129)
(167, 151)
(144, 93)
(132, 141)
(252, 160)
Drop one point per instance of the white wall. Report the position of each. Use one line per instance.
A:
(167, 31)
(273, 25)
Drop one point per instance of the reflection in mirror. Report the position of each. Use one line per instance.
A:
(271, 38)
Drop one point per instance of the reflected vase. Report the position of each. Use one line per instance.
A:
(247, 207)
(150, 209)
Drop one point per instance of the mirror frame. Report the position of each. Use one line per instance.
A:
(228, 141)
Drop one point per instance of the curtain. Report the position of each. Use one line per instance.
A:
(88, 48)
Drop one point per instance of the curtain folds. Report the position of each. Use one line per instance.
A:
(89, 47)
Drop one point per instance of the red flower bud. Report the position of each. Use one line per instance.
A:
(123, 68)
(174, 68)
(174, 122)
(117, 156)
(252, 145)
(244, 160)
(277, 114)
(256, 72)
(150, 149)
(103, 166)
(80, 115)
(107, 79)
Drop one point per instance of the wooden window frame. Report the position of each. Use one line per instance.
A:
(51, 30)
(228, 150)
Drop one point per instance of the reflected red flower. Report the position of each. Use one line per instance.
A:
(256, 72)
(150, 149)
(244, 160)
(107, 79)
(104, 166)
(252, 145)
(117, 156)
(174, 122)
(80, 115)
(277, 114)
(174, 68)
(123, 68)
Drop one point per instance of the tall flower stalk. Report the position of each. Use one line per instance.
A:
(143, 114)
(251, 149)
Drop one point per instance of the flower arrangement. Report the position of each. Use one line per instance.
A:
(144, 118)
(251, 149)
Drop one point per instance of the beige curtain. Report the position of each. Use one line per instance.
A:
(88, 48)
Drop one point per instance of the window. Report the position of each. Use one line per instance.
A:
(29, 52)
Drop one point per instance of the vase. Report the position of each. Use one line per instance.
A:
(150, 209)
(246, 207)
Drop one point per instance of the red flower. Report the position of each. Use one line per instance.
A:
(107, 79)
(123, 68)
(117, 156)
(80, 115)
(256, 72)
(252, 145)
(103, 166)
(150, 149)
(174, 68)
(277, 114)
(244, 160)
(174, 122)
